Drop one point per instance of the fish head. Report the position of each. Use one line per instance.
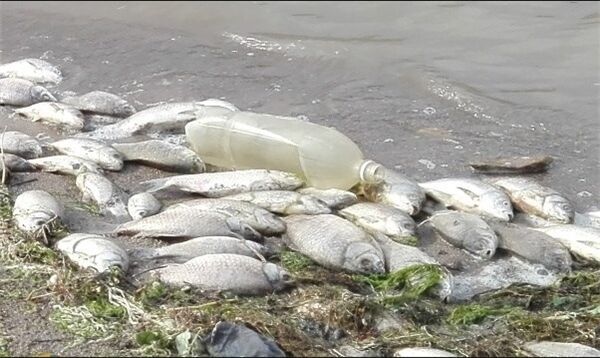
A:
(312, 205)
(198, 165)
(449, 223)
(496, 205)
(74, 117)
(558, 208)
(481, 241)
(558, 258)
(269, 221)
(33, 221)
(364, 258)
(125, 109)
(398, 197)
(242, 229)
(400, 226)
(278, 277)
(41, 94)
(287, 179)
(444, 289)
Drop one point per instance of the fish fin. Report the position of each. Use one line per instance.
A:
(471, 194)
(185, 115)
(154, 185)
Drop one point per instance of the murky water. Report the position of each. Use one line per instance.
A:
(423, 87)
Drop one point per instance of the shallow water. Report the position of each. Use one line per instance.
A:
(423, 87)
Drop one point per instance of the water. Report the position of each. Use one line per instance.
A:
(422, 87)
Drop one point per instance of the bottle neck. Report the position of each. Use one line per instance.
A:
(370, 172)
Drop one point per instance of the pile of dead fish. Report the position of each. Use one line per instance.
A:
(237, 220)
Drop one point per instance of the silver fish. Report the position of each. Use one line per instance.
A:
(380, 218)
(466, 231)
(20, 92)
(284, 202)
(559, 349)
(422, 352)
(396, 190)
(16, 164)
(531, 220)
(334, 243)
(162, 155)
(54, 113)
(93, 251)
(237, 274)
(187, 223)
(102, 103)
(21, 144)
(530, 197)
(91, 150)
(96, 121)
(333, 198)
(35, 208)
(65, 164)
(258, 218)
(109, 197)
(142, 205)
(213, 102)
(534, 246)
(582, 241)
(32, 69)
(591, 219)
(215, 185)
(471, 195)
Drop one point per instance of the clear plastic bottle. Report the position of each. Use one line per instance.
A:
(324, 157)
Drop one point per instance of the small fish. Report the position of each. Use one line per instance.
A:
(20, 92)
(333, 198)
(396, 190)
(258, 218)
(93, 251)
(142, 205)
(109, 197)
(533, 246)
(422, 352)
(162, 155)
(16, 164)
(32, 69)
(334, 243)
(102, 103)
(237, 274)
(35, 208)
(381, 218)
(559, 349)
(466, 231)
(530, 197)
(21, 144)
(54, 113)
(472, 196)
(188, 223)
(215, 185)
(581, 241)
(91, 150)
(284, 202)
(65, 164)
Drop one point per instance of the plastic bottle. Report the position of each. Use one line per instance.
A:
(324, 157)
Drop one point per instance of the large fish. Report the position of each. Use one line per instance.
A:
(530, 197)
(471, 195)
(284, 202)
(102, 103)
(65, 164)
(21, 144)
(334, 198)
(334, 243)
(111, 199)
(54, 113)
(162, 155)
(215, 185)
(396, 190)
(32, 69)
(20, 92)
(381, 218)
(92, 150)
(16, 164)
(35, 208)
(582, 241)
(93, 251)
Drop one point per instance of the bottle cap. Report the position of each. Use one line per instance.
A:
(370, 172)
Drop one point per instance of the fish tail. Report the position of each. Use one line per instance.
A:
(154, 185)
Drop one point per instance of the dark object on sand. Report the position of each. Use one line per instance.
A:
(513, 165)
(234, 340)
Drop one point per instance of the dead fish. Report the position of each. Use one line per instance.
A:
(35, 208)
(101, 102)
(581, 241)
(32, 69)
(215, 185)
(381, 218)
(20, 92)
(591, 219)
(96, 121)
(334, 243)
(513, 165)
(91, 150)
(109, 197)
(258, 218)
(187, 250)
(21, 144)
(531, 220)
(162, 155)
(530, 197)
(533, 246)
(237, 274)
(53, 113)
(213, 102)
(65, 164)
(471, 195)
(333, 198)
(396, 190)
(284, 202)
(16, 164)
(559, 349)
(188, 223)
(466, 231)
(142, 205)
(422, 352)
(93, 251)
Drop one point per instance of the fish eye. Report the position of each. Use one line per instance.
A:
(409, 226)
(39, 222)
(365, 262)
(286, 277)
(456, 222)
(488, 253)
